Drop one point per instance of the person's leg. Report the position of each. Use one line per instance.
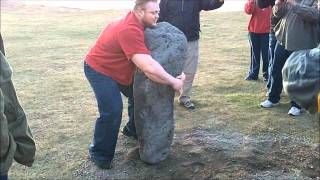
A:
(129, 129)
(264, 52)
(190, 68)
(255, 46)
(275, 76)
(107, 125)
(272, 44)
(280, 58)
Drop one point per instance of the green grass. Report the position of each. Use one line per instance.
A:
(46, 49)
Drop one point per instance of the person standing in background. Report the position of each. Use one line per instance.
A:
(297, 29)
(272, 37)
(185, 15)
(259, 28)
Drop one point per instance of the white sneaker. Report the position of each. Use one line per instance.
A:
(268, 104)
(294, 111)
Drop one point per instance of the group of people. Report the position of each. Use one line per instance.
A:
(276, 29)
(294, 26)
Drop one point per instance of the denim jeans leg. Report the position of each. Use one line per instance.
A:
(128, 92)
(264, 41)
(272, 44)
(280, 57)
(110, 107)
(255, 55)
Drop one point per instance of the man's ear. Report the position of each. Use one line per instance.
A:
(140, 12)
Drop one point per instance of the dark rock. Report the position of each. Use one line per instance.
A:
(153, 108)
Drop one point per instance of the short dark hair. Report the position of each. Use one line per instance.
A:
(140, 3)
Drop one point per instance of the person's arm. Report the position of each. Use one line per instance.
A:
(2, 45)
(307, 13)
(8, 146)
(249, 7)
(210, 4)
(131, 40)
(154, 71)
(279, 9)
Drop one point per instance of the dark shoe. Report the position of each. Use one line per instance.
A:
(187, 104)
(100, 164)
(129, 133)
(249, 78)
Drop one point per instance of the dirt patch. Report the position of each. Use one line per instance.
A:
(196, 153)
(201, 154)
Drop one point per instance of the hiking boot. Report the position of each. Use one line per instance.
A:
(99, 163)
(294, 111)
(268, 104)
(129, 133)
(187, 104)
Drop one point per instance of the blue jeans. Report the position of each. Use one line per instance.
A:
(272, 44)
(280, 57)
(107, 93)
(259, 47)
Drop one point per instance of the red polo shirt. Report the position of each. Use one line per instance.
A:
(118, 42)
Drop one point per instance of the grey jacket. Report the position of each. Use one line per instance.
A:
(5, 70)
(15, 135)
(298, 27)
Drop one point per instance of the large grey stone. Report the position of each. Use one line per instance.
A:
(153, 107)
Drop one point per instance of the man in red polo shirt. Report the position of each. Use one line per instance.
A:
(109, 67)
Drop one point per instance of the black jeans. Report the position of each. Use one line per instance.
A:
(280, 57)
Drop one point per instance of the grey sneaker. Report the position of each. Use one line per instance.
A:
(294, 111)
(187, 104)
(268, 104)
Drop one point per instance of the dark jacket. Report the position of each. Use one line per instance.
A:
(15, 135)
(185, 14)
(265, 3)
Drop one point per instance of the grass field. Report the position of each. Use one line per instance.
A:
(46, 48)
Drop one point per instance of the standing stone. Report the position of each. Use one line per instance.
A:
(153, 102)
